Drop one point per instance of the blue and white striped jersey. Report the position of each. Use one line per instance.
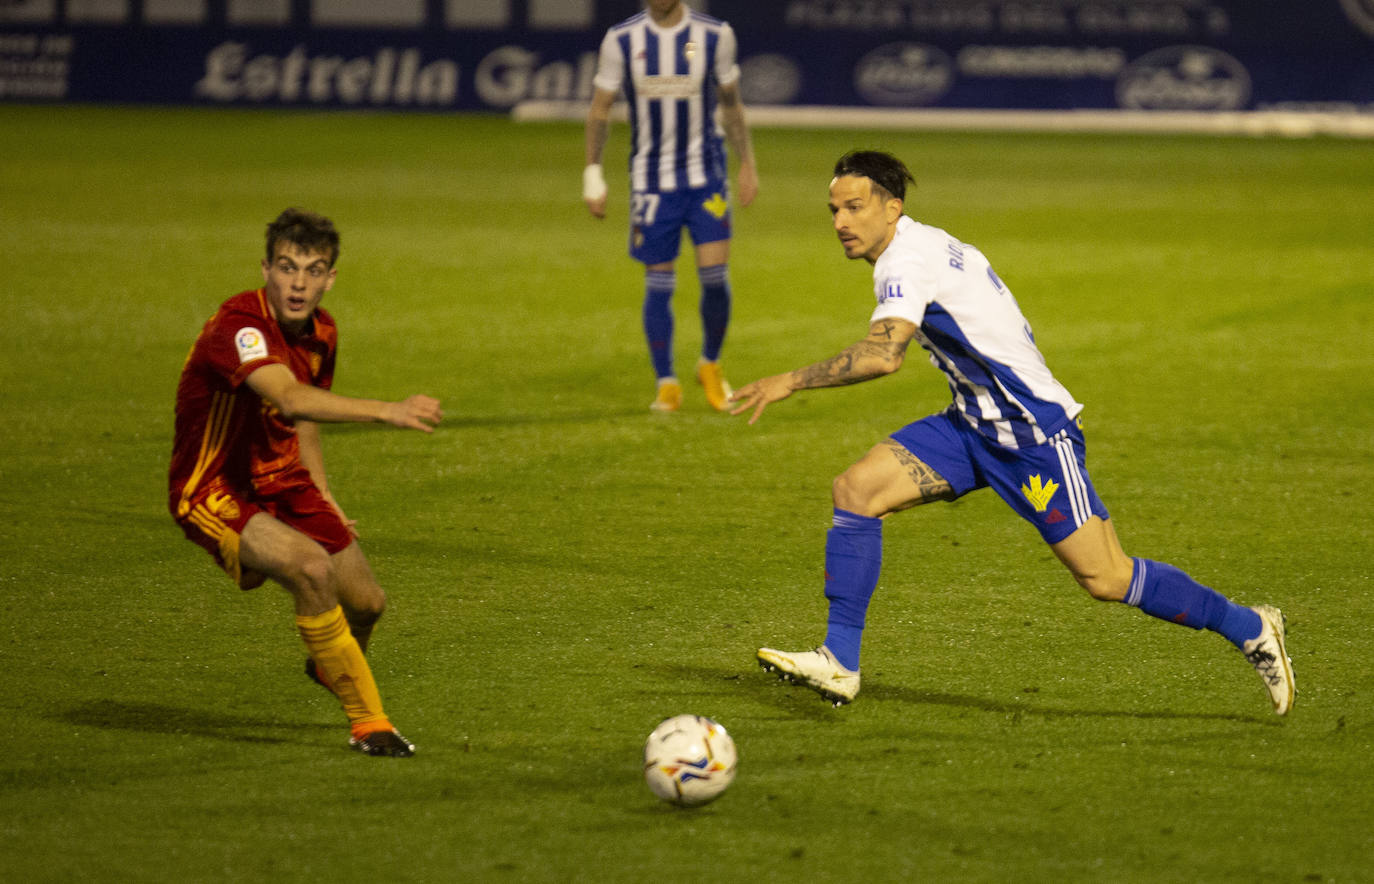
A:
(670, 76)
(975, 333)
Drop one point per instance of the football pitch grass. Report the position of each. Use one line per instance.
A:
(565, 568)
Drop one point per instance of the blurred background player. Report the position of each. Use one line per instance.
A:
(247, 475)
(1011, 427)
(675, 65)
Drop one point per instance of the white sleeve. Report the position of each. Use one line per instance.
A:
(727, 70)
(610, 65)
(903, 290)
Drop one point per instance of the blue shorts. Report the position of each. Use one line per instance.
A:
(657, 219)
(1047, 484)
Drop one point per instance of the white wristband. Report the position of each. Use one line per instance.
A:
(593, 182)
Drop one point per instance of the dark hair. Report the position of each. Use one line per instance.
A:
(305, 230)
(883, 169)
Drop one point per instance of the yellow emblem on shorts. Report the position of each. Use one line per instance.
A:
(1039, 495)
(716, 205)
(223, 506)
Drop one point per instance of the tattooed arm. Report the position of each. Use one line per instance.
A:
(879, 354)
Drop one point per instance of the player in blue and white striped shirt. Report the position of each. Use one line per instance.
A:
(676, 67)
(1011, 427)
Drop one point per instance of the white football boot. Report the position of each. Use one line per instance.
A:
(1269, 655)
(817, 670)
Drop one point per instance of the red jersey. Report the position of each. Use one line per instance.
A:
(227, 435)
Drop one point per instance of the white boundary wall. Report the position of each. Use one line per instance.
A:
(1288, 124)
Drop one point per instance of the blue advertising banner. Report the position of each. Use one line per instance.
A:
(1190, 55)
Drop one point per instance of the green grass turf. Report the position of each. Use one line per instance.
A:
(565, 569)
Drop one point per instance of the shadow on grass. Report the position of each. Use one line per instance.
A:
(938, 698)
(766, 687)
(157, 718)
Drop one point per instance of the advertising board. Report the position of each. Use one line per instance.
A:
(490, 55)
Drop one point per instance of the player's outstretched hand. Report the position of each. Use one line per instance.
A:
(415, 413)
(759, 394)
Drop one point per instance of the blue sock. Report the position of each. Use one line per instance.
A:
(715, 309)
(853, 558)
(658, 319)
(1165, 592)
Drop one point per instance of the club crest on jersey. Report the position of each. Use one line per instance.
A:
(1038, 492)
(891, 291)
(250, 343)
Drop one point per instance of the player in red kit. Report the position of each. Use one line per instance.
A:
(247, 478)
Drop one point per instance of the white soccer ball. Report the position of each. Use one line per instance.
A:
(689, 760)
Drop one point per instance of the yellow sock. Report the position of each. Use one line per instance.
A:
(341, 662)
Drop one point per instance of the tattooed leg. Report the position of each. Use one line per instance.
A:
(886, 480)
(929, 485)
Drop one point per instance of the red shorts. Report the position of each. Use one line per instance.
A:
(215, 517)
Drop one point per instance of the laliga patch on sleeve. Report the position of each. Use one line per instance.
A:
(251, 344)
